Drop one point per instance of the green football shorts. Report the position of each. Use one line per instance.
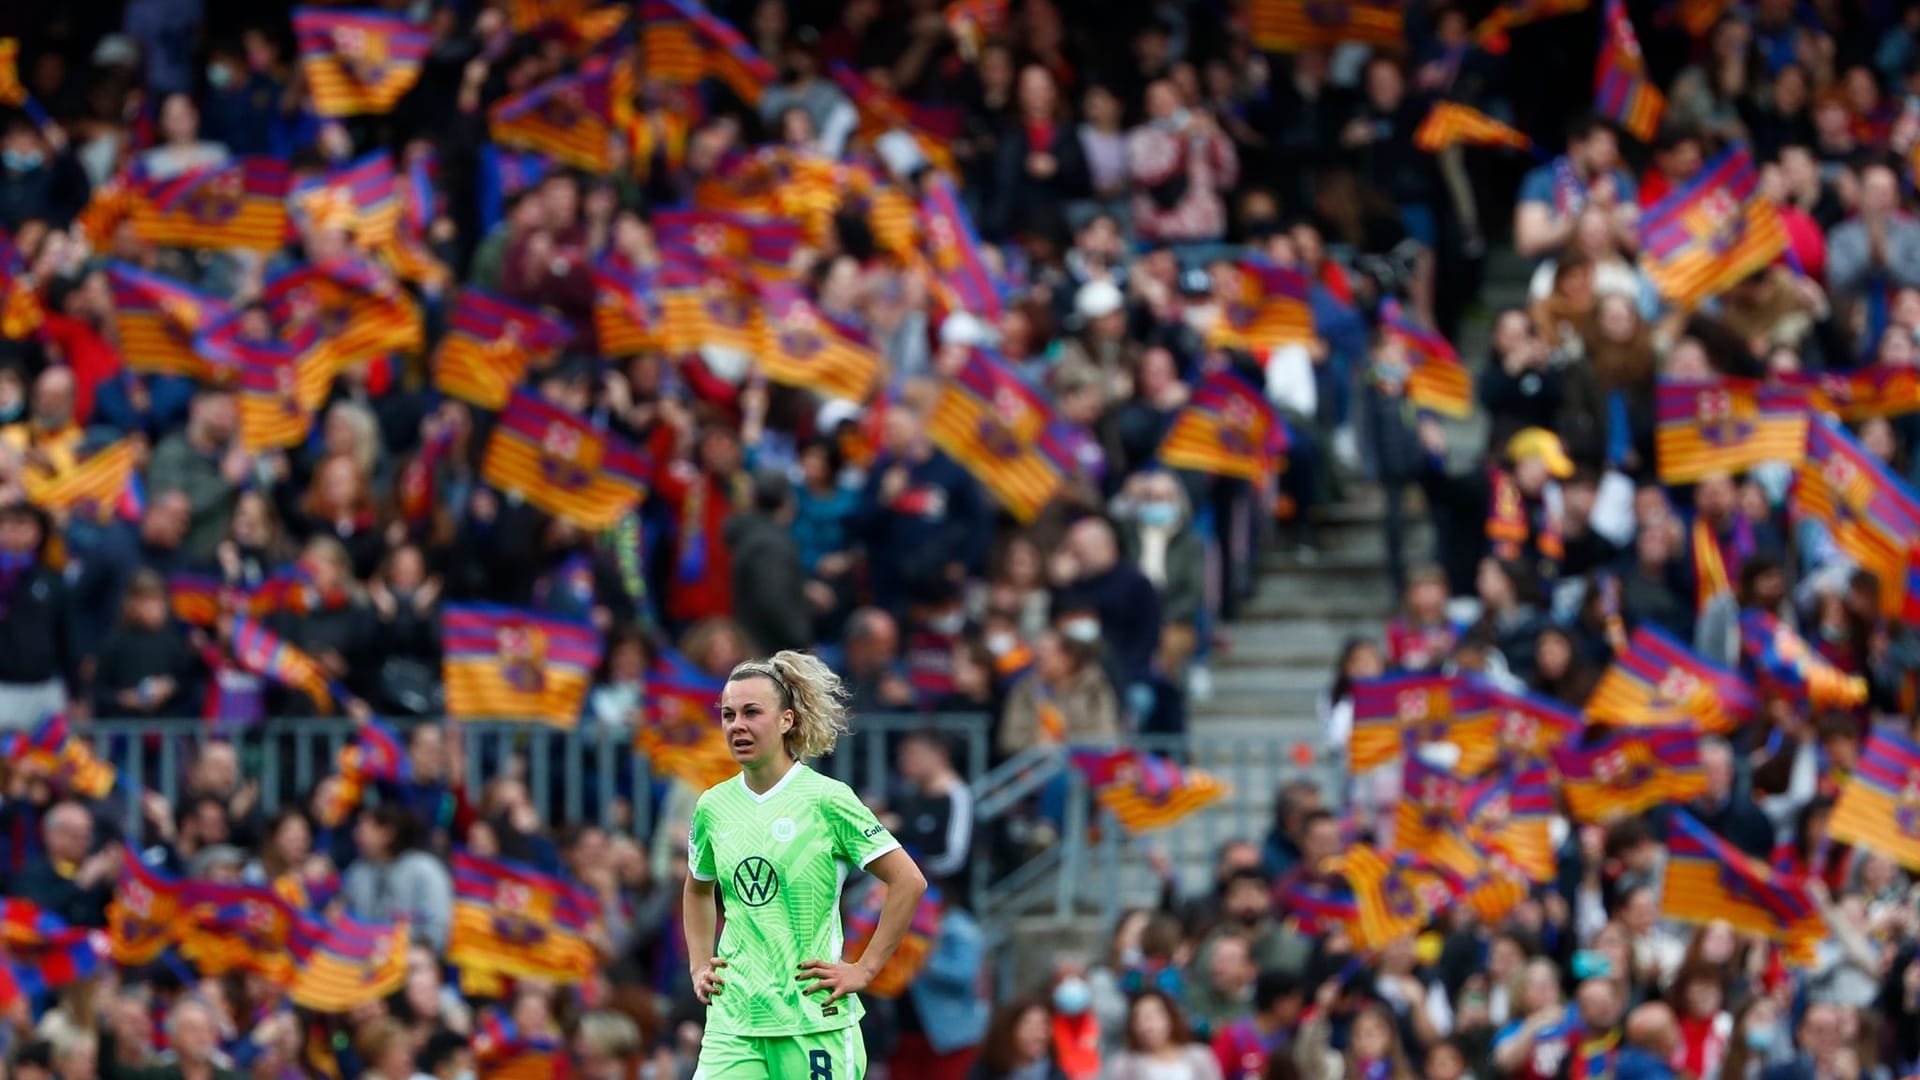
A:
(823, 1055)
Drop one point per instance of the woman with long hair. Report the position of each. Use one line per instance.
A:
(774, 844)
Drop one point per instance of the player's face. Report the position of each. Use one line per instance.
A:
(752, 721)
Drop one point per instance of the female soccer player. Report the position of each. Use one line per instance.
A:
(778, 841)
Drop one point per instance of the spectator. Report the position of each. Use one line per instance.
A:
(393, 879)
(145, 667)
(1159, 1045)
(773, 600)
(1066, 700)
(1245, 1047)
(935, 812)
(71, 881)
(1880, 247)
(204, 462)
(1019, 1044)
(943, 1018)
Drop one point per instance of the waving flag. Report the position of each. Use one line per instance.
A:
(21, 311)
(1879, 806)
(1436, 379)
(567, 118)
(503, 1052)
(1394, 896)
(1711, 234)
(241, 928)
(363, 198)
(932, 128)
(1657, 682)
(13, 92)
(1228, 428)
(1871, 516)
(241, 204)
(1622, 92)
(805, 347)
(625, 318)
(681, 735)
(1784, 662)
(563, 465)
(512, 920)
(1491, 33)
(953, 248)
(51, 751)
(1266, 307)
(1449, 123)
(863, 918)
(158, 320)
(1298, 25)
(354, 308)
(505, 173)
(489, 345)
(377, 755)
(358, 62)
(1390, 713)
(347, 964)
(271, 415)
(1509, 816)
(1862, 394)
(1725, 427)
(1528, 727)
(508, 664)
(681, 44)
(1145, 792)
(702, 311)
(43, 953)
(1631, 772)
(93, 488)
(262, 652)
(726, 241)
(990, 422)
(1709, 880)
(142, 920)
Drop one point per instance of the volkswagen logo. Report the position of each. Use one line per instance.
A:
(755, 882)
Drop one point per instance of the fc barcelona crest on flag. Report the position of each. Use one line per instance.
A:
(216, 201)
(523, 656)
(1722, 420)
(799, 332)
(1713, 219)
(1906, 814)
(562, 451)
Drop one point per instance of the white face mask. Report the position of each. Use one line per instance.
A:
(1001, 643)
(949, 624)
(1084, 631)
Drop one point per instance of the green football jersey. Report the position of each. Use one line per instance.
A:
(781, 859)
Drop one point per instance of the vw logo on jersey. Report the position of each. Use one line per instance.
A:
(755, 882)
(783, 830)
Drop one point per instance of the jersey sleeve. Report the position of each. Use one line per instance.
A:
(700, 863)
(858, 836)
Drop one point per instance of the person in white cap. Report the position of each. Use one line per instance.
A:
(1102, 342)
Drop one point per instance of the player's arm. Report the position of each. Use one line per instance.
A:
(905, 886)
(700, 913)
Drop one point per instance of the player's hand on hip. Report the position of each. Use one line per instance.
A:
(839, 978)
(707, 981)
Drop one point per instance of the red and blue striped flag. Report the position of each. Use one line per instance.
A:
(1725, 427)
(725, 240)
(242, 928)
(1658, 682)
(52, 752)
(346, 964)
(1509, 817)
(358, 62)
(567, 118)
(1436, 379)
(1227, 428)
(1785, 663)
(263, 653)
(512, 920)
(242, 204)
(363, 198)
(965, 281)
(1631, 772)
(489, 345)
(1530, 727)
(1870, 514)
(142, 920)
(1392, 713)
(863, 918)
(158, 322)
(505, 663)
(681, 735)
(563, 465)
(503, 1052)
(991, 423)
(43, 953)
(1708, 880)
(1711, 234)
(1622, 92)
(1144, 791)
(1879, 805)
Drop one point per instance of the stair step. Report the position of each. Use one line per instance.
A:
(1258, 639)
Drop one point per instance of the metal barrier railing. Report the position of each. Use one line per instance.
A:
(585, 774)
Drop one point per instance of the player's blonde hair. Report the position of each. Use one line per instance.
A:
(815, 694)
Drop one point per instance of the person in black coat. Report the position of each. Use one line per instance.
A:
(1039, 165)
(145, 668)
(770, 587)
(37, 659)
(1089, 576)
(67, 882)
(1727, 810)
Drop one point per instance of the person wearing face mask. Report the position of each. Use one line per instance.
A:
(39, 178)
(1076, 1030)
(1159, 541)
(1090, 578)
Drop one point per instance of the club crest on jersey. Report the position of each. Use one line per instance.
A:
(783, 830)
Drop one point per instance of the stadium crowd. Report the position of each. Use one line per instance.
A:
(241, 365)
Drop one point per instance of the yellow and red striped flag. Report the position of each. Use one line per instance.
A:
(997, 427)
(158, 322)
(142, 919)
(1870, 514)
(363, 198)
(1711, 234)
(1491, 32)
(1879, 806)
(1708, 880)
(1622, 92)
(971, 22)
(1145, 792)
(1436, 379)
(91, 489)
(625, 318)
(242, 204)
(1297, 25)
(507, 664)
(804, 347)
(1862, 394)
(355, 308)
(513, 920)
(1393, 895)
(1228, 428)
(346, 964)
(563, 465)
(489, 345)
(1266, 306)
(1658, 682)
(681, 44)
(1631, 772)
(1725, 427)
(1450, 122)
(358, 62)
(1391, 713)
(568, 118)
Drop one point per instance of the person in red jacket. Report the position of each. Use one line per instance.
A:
(702, 494)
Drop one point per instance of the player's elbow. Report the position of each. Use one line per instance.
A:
(911, 880)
